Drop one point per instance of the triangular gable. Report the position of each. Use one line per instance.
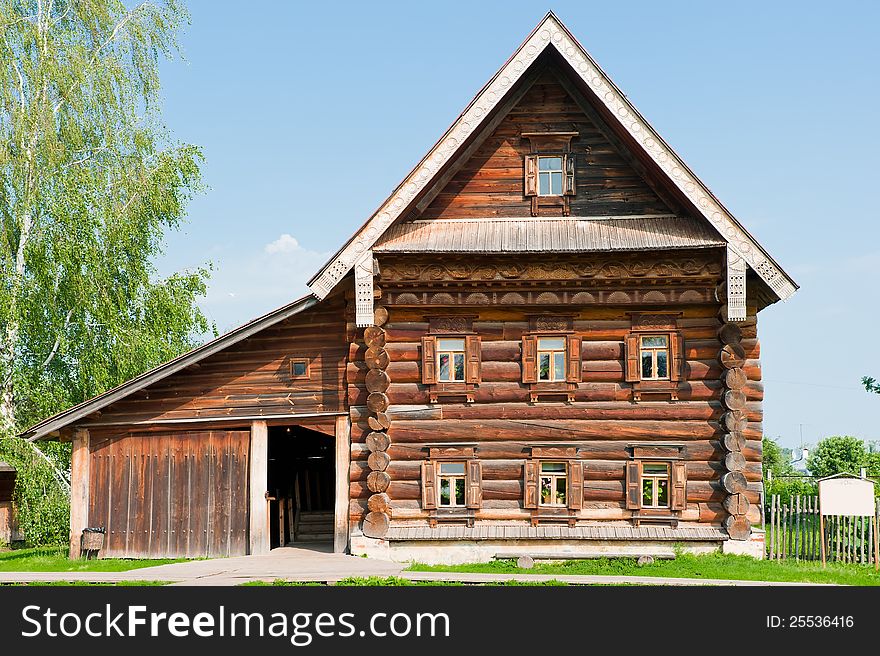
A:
(551, 33)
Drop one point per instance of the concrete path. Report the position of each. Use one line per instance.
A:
(320, 564)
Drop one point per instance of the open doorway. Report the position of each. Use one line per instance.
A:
(302, 484)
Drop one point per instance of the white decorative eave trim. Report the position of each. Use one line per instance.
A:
(363, 291)
(551, 33)
(736, 286)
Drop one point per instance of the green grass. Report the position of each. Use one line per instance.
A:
(395, 581)
(54, 559)
(710, 566)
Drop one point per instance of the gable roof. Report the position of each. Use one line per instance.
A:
(552, 35)
(62, 419)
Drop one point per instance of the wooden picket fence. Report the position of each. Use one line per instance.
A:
(793, 532)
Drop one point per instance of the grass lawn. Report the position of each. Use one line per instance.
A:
(711, 566)
(54, 559)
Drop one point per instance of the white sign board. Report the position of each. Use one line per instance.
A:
(853, 497)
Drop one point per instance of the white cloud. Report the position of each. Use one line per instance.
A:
(284, 244)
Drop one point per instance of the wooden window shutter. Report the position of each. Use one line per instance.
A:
(576, 485)
(530, 171)
(573, 361)
(529, 359)
(569, 188)
(676, 357)
(634, 485)
(472, 354)
(531, 484)
(679, 486)
(633, 369)
(474, 484)
(429, 359)
(429, 486)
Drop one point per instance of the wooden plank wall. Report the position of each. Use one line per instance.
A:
(491, 182)
(603, 419)
(252, 378)
(171, 494)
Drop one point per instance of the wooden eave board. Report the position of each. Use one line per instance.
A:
(621, 115)
(77, 412)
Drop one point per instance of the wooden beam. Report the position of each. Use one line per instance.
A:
(258, 486)
(79, 489)
(341, 506)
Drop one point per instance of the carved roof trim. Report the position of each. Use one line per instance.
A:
(551, 33)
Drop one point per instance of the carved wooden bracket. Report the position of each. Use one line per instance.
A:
(363, 290)
(736, 286)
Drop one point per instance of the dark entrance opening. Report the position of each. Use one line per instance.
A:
(302, 484)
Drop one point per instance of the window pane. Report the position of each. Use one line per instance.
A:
(559, 365)
(662, 491)
(550, 163)
(654, 468)
(551, 343)
(544, 184)
(556, 184)
(544, 366)
(459, 366)
(447, 344)
(444, 491)
(648, 492)
(552, 467)
(452, 468)
(546, 490)
(647, 365)
(662, 368)
(560, 490)
(654, 341)
(444, 366)
(459, 491)
(299, 368)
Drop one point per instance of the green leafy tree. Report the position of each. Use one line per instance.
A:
(837, 454)
(871, 384)
(783, 479)
(90, 183)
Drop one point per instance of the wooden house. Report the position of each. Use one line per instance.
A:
(544, 341)
(8, 525)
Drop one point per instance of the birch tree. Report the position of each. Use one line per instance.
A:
(90, 183)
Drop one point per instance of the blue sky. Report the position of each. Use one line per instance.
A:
(309, 114)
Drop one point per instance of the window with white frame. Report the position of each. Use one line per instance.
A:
(554, 483)
(551, 358)
(655, 485)
(450, 360)
(451, 489)
(550, 176)
(654, 356)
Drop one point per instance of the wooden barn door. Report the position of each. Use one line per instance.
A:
(171, 495)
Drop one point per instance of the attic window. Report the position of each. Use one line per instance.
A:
(299, 368)
(550, 176)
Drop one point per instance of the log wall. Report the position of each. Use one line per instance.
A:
(602, 421)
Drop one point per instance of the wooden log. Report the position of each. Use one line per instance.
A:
(733, 442)
(378, 481)
(377, 402)
(734, 421)
(379, 503)
(374, 336)
(380, 315)
(732, 355)
(377, 442)
(378, 461)
(738, 527)
(374, 424)
(376, 357)
(375, 524)
(730, 333)
(734, 482)
(378, 381)
(735, 379)
(734, 400)
(734, 461)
